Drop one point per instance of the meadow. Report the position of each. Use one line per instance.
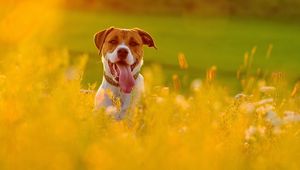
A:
(205, 41)
(46, 122)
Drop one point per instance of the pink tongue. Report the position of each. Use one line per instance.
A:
(126, 79)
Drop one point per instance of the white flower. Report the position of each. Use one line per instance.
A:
(267, 89)
(290, 116)
(247, 108)
(261, 130)
(196, 85)
(240, 96)
(111, 110)
(264, 101)
(273, 118)
(250, 132)
(181, 101)
(264, 109)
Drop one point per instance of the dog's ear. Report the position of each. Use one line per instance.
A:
(146, 37)
(100, 36)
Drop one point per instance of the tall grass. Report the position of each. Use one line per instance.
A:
(47, 123)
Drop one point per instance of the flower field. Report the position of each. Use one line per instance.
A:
(47, 117)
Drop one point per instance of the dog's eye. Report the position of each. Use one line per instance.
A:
(113, 42)
(133, 43)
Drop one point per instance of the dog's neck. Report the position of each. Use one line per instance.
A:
(112, 81)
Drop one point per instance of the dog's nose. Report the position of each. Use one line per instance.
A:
(122, 53)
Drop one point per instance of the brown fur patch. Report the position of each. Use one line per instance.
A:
(133, 38)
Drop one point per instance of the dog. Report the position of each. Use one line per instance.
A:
(122, 53)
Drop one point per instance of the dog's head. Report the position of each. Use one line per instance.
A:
(122, 53)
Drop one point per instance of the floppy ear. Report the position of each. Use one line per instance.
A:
(100, 36)
(146, 37)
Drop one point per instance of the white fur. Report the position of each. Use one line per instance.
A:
(113, 57)
(103, 99)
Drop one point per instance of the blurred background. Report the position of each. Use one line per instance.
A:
(205, 33)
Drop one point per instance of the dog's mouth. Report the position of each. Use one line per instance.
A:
(122, 73)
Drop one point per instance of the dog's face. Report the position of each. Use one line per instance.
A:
(122, 53)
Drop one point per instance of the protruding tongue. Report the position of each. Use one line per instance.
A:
(126, 80)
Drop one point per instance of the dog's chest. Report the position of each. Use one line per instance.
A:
(108, 95)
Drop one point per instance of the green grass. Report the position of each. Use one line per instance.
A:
(204, 41)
